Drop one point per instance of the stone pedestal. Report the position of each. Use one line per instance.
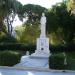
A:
(42, 49)
(43, 44)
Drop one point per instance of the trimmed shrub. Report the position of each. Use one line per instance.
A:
(17, 46)
(62, 48)
(70, 60)
(57, 49)
(70, 64)
(9, 58)
(56, 61)
(8, 39)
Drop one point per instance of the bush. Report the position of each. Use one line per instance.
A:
(70, 60)
(56, 61)
(62, 48)
(8, 39)
(17, 46)
(70, 64)
(9, 58)
(57, 49)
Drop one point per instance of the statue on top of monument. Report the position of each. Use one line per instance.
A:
(43, 19)
(43, 25)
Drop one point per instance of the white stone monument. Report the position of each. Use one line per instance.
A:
(42, 49)
(39, 59)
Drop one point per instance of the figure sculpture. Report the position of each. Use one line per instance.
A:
(43, 25)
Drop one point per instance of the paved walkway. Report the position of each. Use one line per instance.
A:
(31, 71)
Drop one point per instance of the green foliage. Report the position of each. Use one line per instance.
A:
(56, 38)
(9, 58)
(19, 10)
(8, 39)
(56, 61)
(71, 55)
(56, 16)
(60, 17)
(8, 11)
(18, 46)
(2, 34)
(62, 48)
(70, 64)
(58, 48)
(33, 12)
(71, 5)
(71, 60)
(28, 34)
(52, 22)
(37, 9)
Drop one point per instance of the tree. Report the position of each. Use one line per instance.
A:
(60, 17)
(27, 34)
(71, 4)
(9, 9)
(33, 12)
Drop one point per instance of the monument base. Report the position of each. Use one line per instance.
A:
(42, 48)
(40, 54)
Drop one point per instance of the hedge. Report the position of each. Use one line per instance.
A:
(31, 48)
(9, 58)
(62, 48)
(17, 46)
(56, 61)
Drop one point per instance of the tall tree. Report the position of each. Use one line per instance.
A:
(27, 34)
(33, 12)
(9, 9)
(60, 17)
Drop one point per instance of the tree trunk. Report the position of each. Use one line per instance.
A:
(1, 24)
(8, 25)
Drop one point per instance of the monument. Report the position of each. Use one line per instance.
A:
(39, 59)
(42, 49)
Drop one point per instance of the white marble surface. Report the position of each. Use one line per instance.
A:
(43, 25)
(31, 61)
(42, 44)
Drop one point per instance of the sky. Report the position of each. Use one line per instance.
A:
(44, 3)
